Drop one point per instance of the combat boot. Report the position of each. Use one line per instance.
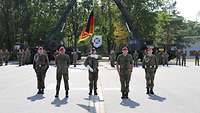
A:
(66, 94)
(126, 95)
(123, 95)
(90, 93)
(39, 91)
(57, 94)
(95, 92)
(147, 91)
(42, 91)
(151, 91)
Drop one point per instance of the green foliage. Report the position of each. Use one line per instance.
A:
(28, 21)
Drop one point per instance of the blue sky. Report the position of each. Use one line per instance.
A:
(189, 9)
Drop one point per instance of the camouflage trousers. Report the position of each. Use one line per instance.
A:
(178, 61)
(135, 63)
(59, 78)
(124, 80)
(184, 62)
(1, 62)
(40, 79)
(6, 61)
(149, 76)
(165, 61)
(20, 61)
(93, 77)
(196, 62)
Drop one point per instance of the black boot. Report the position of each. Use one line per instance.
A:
(90, 93)
(123, 95)
(39, 91)
(151, 91)
(126, 95)
(95, 92)
(42, 91)
(57, 94)
(66, 94)
(147, 91)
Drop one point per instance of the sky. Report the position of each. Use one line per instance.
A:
(189, 9)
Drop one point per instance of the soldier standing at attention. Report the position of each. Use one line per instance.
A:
(196, 59)
(40, 65)
(135, 58)
(124, 68)
(92, 64)
(1, 57)
(184, 58)
(19, 55)
(178, 57)
(62, 63)
(75, 57)
(165, 57)
(23, 58)
(7, 55)
(150, 65)
(27, 56)
(112, 58)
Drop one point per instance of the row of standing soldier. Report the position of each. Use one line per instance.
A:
(124, 63)
(180, 58)
(62, 61)
(24, 56)
(125, 66)
(162, 57)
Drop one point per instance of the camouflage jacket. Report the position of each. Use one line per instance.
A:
(92, 62)
(40, 62)
(125, 62)
(62, 63)
(150, 62)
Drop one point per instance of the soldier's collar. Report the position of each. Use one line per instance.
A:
(94, 56)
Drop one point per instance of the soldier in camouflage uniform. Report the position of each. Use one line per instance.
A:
(62, 62)
(124, 68)
(6, 56)
(135, 58)
(23, 57)
(197, 59)
(183, 58)
(92, 64)
(112, 58)
(1, 57)
(19, 56)
(27, 55)
(150, 65)
(178, 57)
(165, 58)
(75, 57)
(40, 65)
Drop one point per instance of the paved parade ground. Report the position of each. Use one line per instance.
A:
(177, 90)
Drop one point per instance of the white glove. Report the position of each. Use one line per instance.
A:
(89, 68)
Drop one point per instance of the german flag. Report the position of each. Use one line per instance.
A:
(89, 29)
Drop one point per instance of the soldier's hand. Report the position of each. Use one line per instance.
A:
(90, 69)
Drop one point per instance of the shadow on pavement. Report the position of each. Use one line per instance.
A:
(36, 97)
(84, 107)
(156, 97)
(129, 103)
(57, 102)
